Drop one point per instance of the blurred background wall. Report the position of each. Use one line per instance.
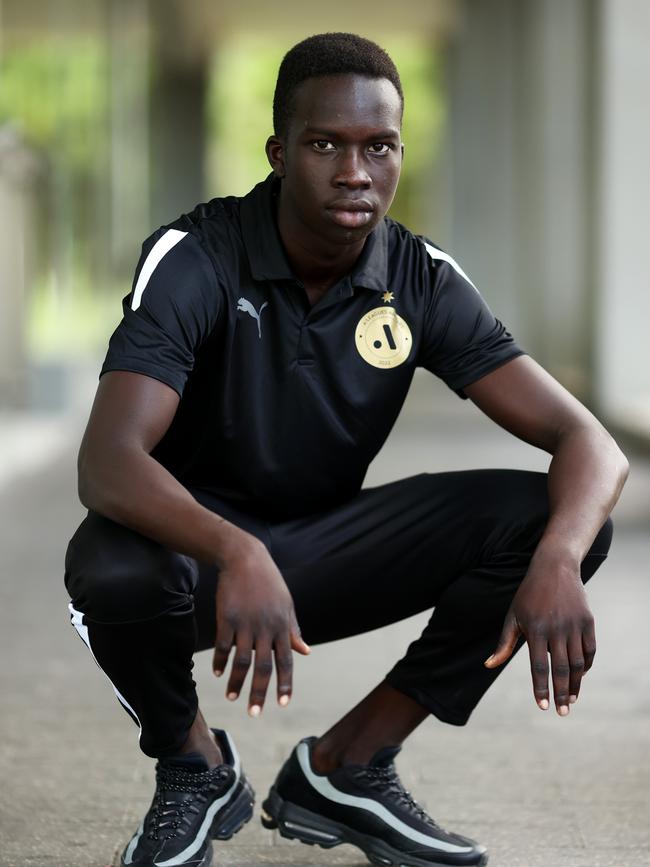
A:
(527, 139)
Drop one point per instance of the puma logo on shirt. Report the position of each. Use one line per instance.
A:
(245, 305)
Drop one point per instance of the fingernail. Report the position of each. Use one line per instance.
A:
(544, 704)
(573, 699)
(563, 710)
(489, 659)
(255, 710)
(232, 696)
(218, 672)
(284, 700)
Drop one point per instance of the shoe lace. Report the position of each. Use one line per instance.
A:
(179, 796)
(387, 778)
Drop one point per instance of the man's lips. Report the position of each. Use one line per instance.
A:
(351, 212)
(350, 205)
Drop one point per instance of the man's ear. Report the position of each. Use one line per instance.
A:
(275, 155)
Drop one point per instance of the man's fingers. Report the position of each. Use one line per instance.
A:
(222, 647)
(240, 664)
(284, 669)
(538, 653)
(506, 645)
(589, 644)
(297, 642)
(576, 666)
(261, 675)
(560, 671)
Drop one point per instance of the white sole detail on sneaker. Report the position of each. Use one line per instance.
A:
(202, 833)
(127, 858)
(314, 832)
(236, 761)
(130, 849)
(323, 786)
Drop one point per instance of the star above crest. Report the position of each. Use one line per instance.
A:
(387, 296)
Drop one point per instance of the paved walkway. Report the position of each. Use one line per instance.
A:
(536, 789)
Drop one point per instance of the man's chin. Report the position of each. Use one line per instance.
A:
(340, 234)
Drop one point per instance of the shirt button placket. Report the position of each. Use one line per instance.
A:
(304, 355)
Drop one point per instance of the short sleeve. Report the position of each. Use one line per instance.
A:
(462, 339)
(173, 307)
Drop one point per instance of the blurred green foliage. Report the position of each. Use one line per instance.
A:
(55, 89)
(63, 325)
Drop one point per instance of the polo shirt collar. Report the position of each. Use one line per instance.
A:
(266, 255)
(371, 268)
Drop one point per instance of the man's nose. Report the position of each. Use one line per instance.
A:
(351, 172)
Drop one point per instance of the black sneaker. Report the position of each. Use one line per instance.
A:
(191, 806)
(365, 805)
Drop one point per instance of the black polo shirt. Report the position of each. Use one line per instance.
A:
(283, 405)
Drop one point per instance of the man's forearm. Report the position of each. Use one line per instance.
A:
(588, 469)
(132, 488)
(550, 609)
(585, 478)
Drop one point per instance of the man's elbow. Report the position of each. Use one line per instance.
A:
(95, 483)
(604, 448)
(85, 492)
(617, 457)
(88, 491)
(623, 464)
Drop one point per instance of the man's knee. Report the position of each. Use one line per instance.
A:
(523, 505)
(115, 575)
(510, 509)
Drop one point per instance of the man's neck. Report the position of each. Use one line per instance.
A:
(316, 264)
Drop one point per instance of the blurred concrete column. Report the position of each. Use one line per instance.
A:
(623, 311)
(481, 211)
(19, 173)
(521, 161)
(128, 40)
(180, 60)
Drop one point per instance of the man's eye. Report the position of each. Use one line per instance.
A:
(323, 145)
(379, 148)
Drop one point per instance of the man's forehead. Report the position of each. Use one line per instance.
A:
(344, 98)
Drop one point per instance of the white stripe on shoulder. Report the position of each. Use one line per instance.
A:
(438, 254)
(162, 246)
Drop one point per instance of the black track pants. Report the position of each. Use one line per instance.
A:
(458, 542)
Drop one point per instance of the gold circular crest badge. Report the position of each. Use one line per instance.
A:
(383, 338)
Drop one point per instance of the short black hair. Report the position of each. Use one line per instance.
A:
(328, 54)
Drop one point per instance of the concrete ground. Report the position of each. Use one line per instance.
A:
(536, 789)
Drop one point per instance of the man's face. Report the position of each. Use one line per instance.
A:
(340, 160)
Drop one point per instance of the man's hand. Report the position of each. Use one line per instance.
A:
(550, 610)
(255, 612)
(585, 478)
(119, 479)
